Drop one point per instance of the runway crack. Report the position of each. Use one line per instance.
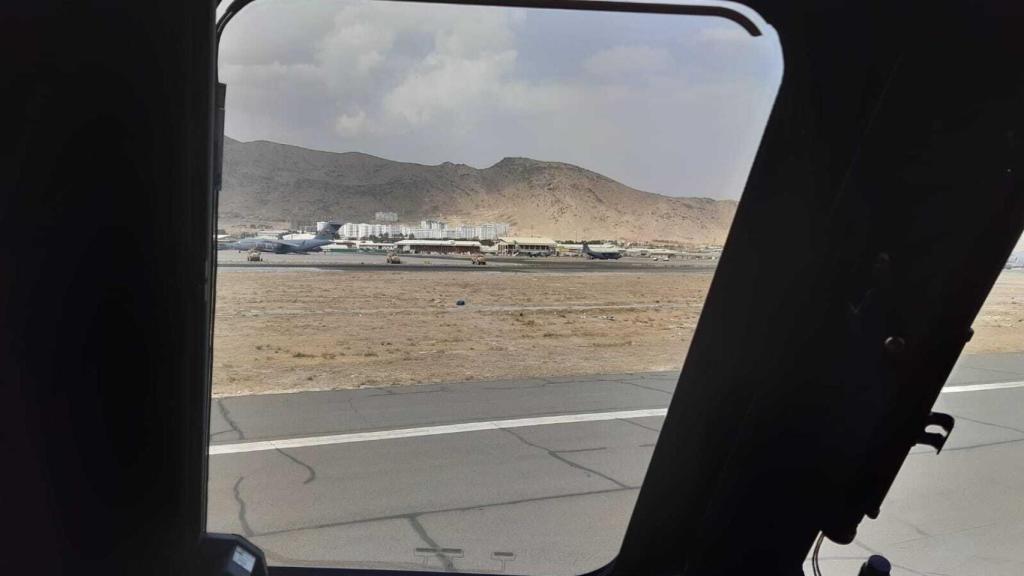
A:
(554, 454)
(652, 429)
(993, 424)
(895, 565)
(414, 521)
(921, 533)
(971, 447)
(311, 472)
(576, 450)
(227, 418)
(652, 388)
(246, 529)
(443, 511)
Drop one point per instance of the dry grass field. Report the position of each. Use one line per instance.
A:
(291, 330)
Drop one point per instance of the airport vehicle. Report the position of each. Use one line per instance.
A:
(478, 260)
(324, 237)
(889, 173)
(601, 252)
(254, 255)
(392, 258)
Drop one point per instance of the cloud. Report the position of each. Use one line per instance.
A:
(662, 107)
(723, 34)
(404, 66)
(622, 61)
(352, 124)
(446, 84)
(354, 49)
(272, 75)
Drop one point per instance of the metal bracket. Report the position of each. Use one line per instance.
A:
(934, 439)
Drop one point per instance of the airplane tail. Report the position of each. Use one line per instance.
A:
(328, 231)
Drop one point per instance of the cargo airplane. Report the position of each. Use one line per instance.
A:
(602, 252)
(282, 246)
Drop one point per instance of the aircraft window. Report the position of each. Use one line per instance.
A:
(463, 252)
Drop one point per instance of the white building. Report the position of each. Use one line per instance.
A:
(321, 226)
(424, 233)
(361, 230)
(427, 230)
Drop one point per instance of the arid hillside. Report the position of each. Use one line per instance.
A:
(266, 182)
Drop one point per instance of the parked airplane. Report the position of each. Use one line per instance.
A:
(602, 252)
(281, 246)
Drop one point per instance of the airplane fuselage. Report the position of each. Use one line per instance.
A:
(278, 246)
(602, 254)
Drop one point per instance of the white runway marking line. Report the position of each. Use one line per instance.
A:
(430, 431)
(980, 387)
(259, 446)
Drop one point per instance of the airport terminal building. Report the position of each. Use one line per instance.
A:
(438, 246)
(510, 245)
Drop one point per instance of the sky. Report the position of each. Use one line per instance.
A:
(669, 104)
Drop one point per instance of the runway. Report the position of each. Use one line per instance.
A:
(539, 476)
(436, 263)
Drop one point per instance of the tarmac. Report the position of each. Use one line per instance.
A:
(370, 261)
(539, 476)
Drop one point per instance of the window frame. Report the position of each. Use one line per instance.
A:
(735, 12)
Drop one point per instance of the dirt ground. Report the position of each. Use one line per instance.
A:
(999, 326)
(291, 330)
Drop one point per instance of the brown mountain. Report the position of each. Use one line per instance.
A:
(266, 182)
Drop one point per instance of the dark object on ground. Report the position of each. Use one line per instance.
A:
(876, 566)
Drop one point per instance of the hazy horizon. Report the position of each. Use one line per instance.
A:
(673, 105)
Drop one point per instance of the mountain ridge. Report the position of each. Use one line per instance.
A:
(270, 182)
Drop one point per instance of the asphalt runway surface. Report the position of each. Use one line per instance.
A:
(438, 263)
(540, 476)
